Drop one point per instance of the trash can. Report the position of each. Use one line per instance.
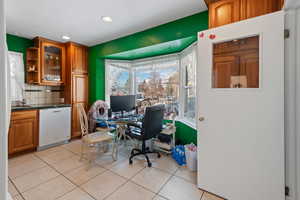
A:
(191, 157)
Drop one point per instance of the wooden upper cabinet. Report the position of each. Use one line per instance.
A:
(23, 131)
(79, 61)
(254, 8)
(228, 11)
(224, 12)
(77, 58)
(52, 58)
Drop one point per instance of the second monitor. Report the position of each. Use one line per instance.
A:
(122, 103)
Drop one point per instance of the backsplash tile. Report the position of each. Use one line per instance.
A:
(35, 94)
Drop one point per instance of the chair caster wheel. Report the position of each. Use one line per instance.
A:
(149, 164)
(130, 162)
(158, 155)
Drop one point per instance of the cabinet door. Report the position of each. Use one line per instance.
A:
(80, 88)
(79, 59)
(76, 129)
(224, 68)
(80, 96)
(224, 12)
(249, 67)
(253, 8)
(23, 132)
(52, 63)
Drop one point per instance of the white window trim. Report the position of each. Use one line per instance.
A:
(152, 60)
(22, 81)
(182, 86)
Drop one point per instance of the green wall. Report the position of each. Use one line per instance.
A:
(185, 133)
(18, 44)
(182, 28)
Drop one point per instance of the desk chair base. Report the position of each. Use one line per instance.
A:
(143, 152)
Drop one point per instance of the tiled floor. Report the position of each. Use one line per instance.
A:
(57, 173)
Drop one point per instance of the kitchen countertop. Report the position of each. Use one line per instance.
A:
(38, 106)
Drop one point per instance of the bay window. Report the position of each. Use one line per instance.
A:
(169, 80)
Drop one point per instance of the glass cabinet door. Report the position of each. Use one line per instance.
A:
(52, 63)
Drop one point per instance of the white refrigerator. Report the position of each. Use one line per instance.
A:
(4, 105)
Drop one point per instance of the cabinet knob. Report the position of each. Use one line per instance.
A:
(201, 119)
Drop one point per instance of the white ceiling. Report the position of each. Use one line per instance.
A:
(81, 19)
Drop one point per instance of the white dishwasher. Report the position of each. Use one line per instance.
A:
(55, 126)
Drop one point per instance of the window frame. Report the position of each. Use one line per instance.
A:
(108, 64)
(21, 67)
(181, 117)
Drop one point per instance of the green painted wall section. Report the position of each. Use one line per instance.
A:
(185, 133)
(182, 28)
(179, 29)
(174, 46)
(18, 44)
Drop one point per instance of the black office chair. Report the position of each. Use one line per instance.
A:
(151, 126)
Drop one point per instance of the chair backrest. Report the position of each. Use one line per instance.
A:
(153, 121)
(83, 120)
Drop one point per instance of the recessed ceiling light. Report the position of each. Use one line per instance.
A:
(65, 37)
(106, 19)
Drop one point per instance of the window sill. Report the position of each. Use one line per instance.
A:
(188, 123)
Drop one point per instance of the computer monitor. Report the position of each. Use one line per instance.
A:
(122, 103)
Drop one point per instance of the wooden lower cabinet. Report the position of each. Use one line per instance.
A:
(23, 131)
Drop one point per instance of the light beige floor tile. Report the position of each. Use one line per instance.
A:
(165, 163)
(103, 185)
(69, 164)
(55, 155)
(23, 165)
(106, 161)
(152, 178)
(76, 194)
(178, 189)
(131, 191)
(83, 174)
(126, 170)
(34, 178)
(157, 197)
(207, 196)
(49, 151)
(74, 146)
(186, 174)
(12, 189)
(18, 197)
(12, 162)
(50, 190)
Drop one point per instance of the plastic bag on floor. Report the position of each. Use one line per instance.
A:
(178, 154)
(191, 156)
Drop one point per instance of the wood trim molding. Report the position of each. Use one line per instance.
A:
(207, 2)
